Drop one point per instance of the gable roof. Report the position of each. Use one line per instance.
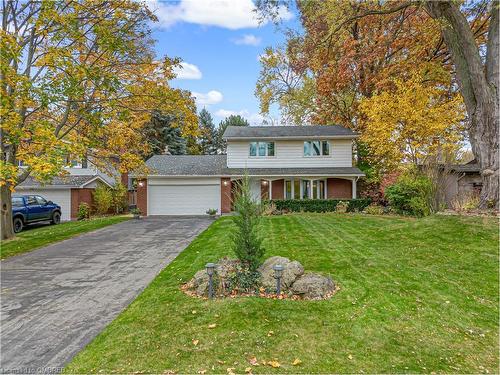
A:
(186, 165)
(71, 181)
(289, 132)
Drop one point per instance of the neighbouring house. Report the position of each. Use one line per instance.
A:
(462, 181)
(71, 189)
(282, 162)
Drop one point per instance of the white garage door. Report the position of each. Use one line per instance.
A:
(62, 197)
(182, 199)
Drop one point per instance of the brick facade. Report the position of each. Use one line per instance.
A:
(339, 188)
(278, 189)
(225, 195)
(80, 196)
(142, 196)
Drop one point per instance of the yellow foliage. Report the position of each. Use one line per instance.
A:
(417, 119)
(87, 87)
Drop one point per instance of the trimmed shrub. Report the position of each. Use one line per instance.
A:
(374, 209)
(103, 199)
(319, 205)
(83, 211)
(342, 207)
(411, 194)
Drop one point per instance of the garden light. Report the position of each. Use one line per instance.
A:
(278, 272)
(210, 267)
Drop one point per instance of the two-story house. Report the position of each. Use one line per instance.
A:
(282, 162)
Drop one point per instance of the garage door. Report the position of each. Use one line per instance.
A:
(62, 197)
(182, 199)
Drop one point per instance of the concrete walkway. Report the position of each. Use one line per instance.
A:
(55, 300)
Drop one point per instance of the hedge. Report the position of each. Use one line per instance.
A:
(319, 205)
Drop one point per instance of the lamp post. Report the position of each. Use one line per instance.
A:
(210, 267)
(278, 272)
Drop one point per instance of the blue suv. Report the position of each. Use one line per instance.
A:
(27, 209)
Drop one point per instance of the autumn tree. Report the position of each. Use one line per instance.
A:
(413, 122)
(354, 49)
(78, 78)
(232, 120)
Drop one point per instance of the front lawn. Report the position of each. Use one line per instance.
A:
(37, 236)
(417, 296)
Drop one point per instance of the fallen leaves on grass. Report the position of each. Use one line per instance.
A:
(274, 364)
(213, 325)
(248, 370)
(195, 342)
(270, 333)
(202, 372)
(253, 361)
(349, 356)
(230, 370)
(296, 362)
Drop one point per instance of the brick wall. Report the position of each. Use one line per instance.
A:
(142, 196)
(277, 189)
(225, 195)
(339, 188)
(80, 196)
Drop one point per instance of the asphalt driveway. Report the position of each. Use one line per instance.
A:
(55, 300)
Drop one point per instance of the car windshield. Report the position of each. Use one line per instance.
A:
(17, 202)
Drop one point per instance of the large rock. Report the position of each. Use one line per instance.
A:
(313, 286)
(292, 270)
(199, 283)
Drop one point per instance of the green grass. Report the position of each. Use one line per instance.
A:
(35, 237)
(417, 296)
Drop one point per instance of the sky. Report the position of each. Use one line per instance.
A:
(219, 42)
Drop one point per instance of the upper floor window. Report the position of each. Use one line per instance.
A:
(261, 148)
(316, 148)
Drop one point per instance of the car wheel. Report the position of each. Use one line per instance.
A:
(56, 218)
(17, 224)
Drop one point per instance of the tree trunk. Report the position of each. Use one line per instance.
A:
(6, 207)
(479, 87)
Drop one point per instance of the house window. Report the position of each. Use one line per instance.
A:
(316, 148)
(261, 149)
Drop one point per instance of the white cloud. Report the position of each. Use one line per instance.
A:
(248, 40)
(253, 118)
(187, 71)
(230, 14)
(211, 97)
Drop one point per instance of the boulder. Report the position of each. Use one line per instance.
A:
(199, 283)
(313, 286)
(292, 270)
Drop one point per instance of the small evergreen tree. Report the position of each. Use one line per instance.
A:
(247, 244)
(233, 120)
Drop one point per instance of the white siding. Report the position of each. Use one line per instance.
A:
(183, 196)
(289, 154)
(62, 197)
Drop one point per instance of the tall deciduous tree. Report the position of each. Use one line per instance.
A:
(232, 120)
(356, 47)
(77, 77)
(412, 122)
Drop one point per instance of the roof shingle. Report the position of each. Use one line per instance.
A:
(284, 132)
